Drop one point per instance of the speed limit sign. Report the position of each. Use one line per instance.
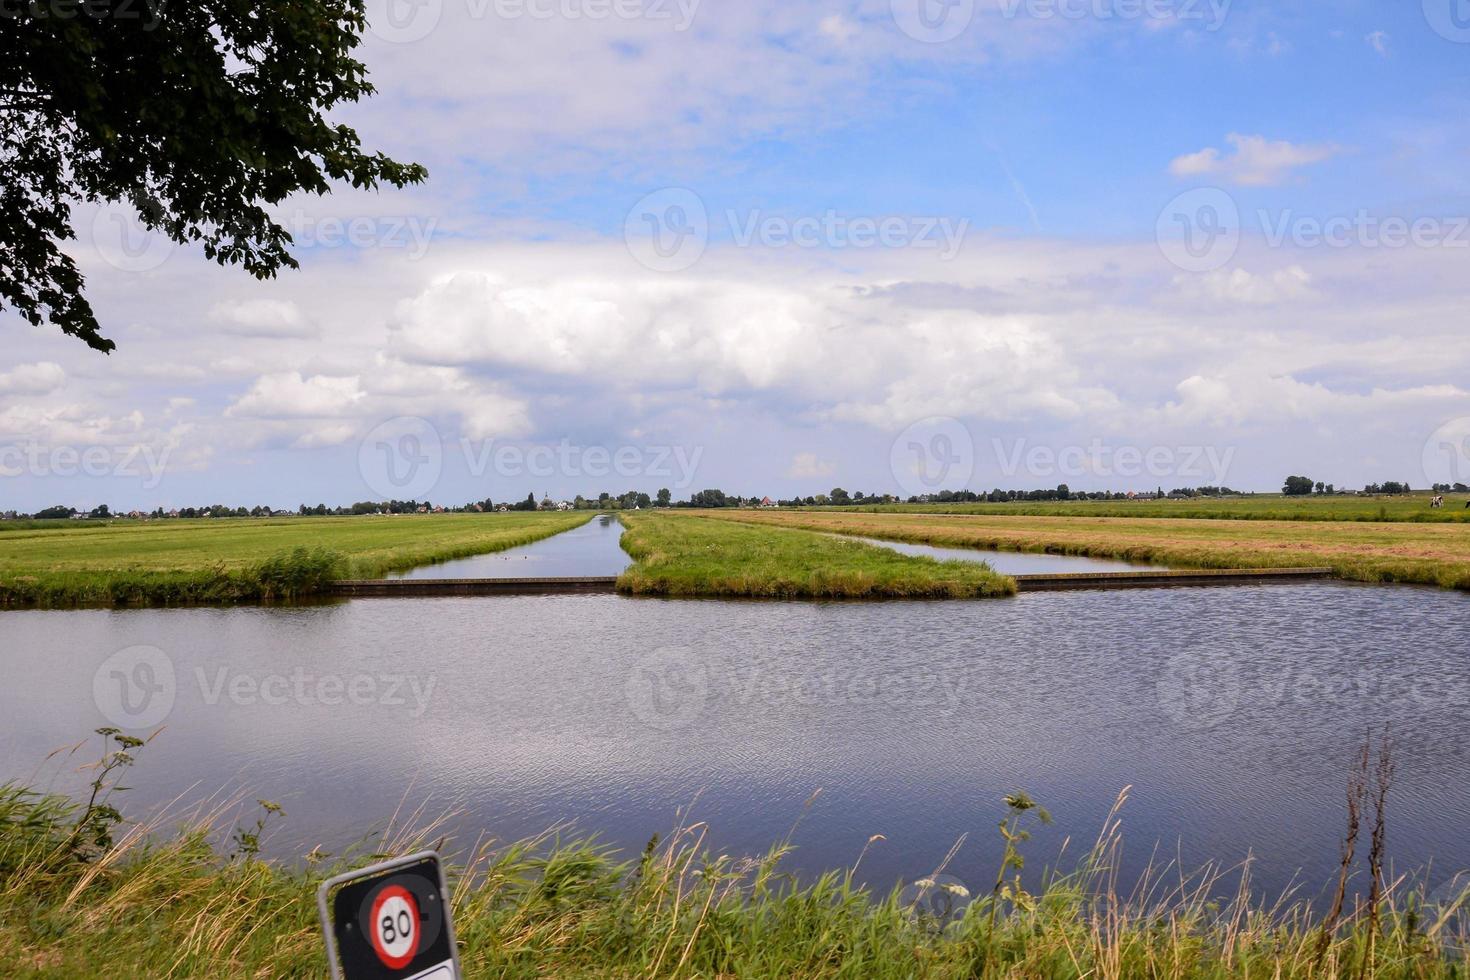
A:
(390, 922)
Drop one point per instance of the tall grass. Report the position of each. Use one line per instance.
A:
(170, 904)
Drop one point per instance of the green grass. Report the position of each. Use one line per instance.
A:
(1408, 552)
(1258, 507)
(172, 562)
(681, 555)
(137, 901)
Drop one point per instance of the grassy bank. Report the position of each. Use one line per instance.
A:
(81, 895)
(1260, 507)
(1427, 554)
(242, 560)
(683, 555)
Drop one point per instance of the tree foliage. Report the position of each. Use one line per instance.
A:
(200, 116)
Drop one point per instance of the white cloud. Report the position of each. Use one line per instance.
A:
(41, 378)
(1255, 162)
(762, 356)
(807, 466)
(1271, 44)
(290, 396)
(1261, 396)
(1378, 41)
(1241, 286)
(262, 318)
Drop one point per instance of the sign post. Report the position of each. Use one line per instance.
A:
(390, 922)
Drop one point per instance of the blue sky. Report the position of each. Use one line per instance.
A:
(1028, 297)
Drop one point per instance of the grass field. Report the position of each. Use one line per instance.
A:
(684, 555)
(83, 895)
(176, 561)
(1430, 554)
(1261, 507)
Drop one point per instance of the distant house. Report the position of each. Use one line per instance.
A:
(502, 509)
(768, 502)
(566, 505)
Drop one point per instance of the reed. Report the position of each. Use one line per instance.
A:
(145, 902)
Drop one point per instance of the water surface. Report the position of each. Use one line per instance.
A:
(1231, 712)
(1015, 562)
(586, 551)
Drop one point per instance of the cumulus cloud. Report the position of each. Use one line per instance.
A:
(40, 378)
(262, 318)
(1254, 162)
(288, 395)
(807, 466)
(1241, 395)
(1242, 286)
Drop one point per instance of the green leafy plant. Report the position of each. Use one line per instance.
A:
(1019, 806)
(93, 832)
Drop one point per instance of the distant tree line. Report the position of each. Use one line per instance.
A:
(1294, 486)
(1304, 486)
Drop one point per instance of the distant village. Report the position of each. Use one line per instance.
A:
(1295, 486)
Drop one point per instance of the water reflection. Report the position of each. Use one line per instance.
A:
(1015, 562)
(1232, 712)
(589, 550)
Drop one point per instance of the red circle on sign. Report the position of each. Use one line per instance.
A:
(394, 927)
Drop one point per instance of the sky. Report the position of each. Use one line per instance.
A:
(895, 246)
